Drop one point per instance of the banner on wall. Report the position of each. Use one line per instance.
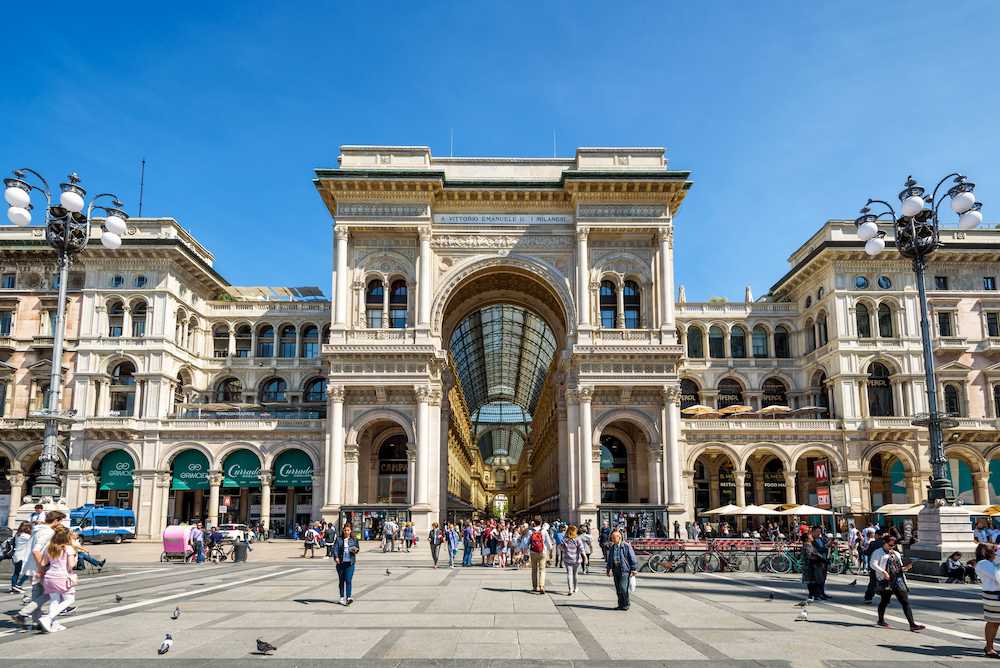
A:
(116, 471)
(190, 471)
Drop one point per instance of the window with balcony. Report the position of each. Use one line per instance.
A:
(810, 336)
(608, 298)
(884, 321)
(6, 323)
(820, 394)
(822, 334)
(632, 298)
(53, 316)
(690, 393)
(782, 349)
(864, 321)
(993, 323)
(315, 391)
(8, 281)
(730, 393)
(879, 391)
(139, 319)
(940, 282)
(286, 343)
(398, 304)
(123, 390)
(738, 342)
(945, 324)
(265, 341)
(716, 342)
(244, 341)
(273, 391)
(774, 392)
(116, 319)
(989, 282)
(229, 391)
(695, 342)
(310, 341)
(220, 340)
(759, 337)
(952, 401)
(374, 296)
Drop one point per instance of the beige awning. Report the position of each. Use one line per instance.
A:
(723, 510)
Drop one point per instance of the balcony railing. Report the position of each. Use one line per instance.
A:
(195, 413)
(394, 336)
(953, 343)
(241, 424)
(650, 336)
(762, 424)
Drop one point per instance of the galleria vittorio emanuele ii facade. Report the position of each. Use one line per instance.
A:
(501, 334)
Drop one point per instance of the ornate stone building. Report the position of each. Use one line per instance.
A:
(503, 333)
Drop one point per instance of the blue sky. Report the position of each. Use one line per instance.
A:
(787, 113)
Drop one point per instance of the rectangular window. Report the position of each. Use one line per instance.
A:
(139, 327)
(993, 323)
(8, 281)
(375, 319)
(265, 349)
(631, 318)
(397, 318)
(989, 282)
(6, 323)
(944, 324)
(53, 315)
(940, 282)
(607, 318)
(286, 349)
(114, 330)
(310, 349)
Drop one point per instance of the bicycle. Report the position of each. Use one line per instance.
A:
(217, 553)
(715, 559)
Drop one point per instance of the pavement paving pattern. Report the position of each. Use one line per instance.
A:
(419, 616)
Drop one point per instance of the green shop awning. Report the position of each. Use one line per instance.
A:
(116, 470)
(241, 469)
(190, 471)
(293, 468)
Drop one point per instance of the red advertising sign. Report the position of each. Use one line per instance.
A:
(823, 497)
(822, 471)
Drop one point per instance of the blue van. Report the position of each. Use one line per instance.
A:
(98, 524)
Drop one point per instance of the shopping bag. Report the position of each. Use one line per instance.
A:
(632, 583)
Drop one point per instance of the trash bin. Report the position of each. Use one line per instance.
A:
(240, 551)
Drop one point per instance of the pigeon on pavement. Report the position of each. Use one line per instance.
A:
(803, 616)
(177, 613)
(388, 572)
(168, 642)
(265, 647)
(118, 598)
(770, 596)
(854, 583)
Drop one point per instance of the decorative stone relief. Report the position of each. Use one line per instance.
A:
(621, 211)
(381, 210)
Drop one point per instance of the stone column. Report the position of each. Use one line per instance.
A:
(411, 478)
(265, 499)
(335, 463)
(126, 321)
(740, 477)
(423, 446)
(583, 270)
(16, 480)
(340, 306)
(137, 401)
(231, 348)
(573, 448)
(424, 284)
(350, 475)
(385, 301)
(586, 451)
(790, 487)
(665, 235)
(567, 461)
(655, 456)
(672, 449)
(214, 482)
(619, 306)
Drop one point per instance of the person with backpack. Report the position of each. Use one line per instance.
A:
(59, 582)
(329, 538)
(538, 541)
(571, 551)
(588, 547)
(558, 533)
(15, 548)
(311, 539)
(434, 538)
(888, 565)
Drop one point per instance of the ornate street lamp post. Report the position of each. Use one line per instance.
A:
(67, 230)
(917, 235)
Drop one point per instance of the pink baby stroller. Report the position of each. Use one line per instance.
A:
(176, 543)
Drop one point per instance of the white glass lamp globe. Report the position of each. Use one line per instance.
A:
(71, 201)
(867, 230)
(115, 225)
(962, 202)
(19, 215)
(17, 197)
(970, 220)
(874, 246)
(913, 205)
(110, 240)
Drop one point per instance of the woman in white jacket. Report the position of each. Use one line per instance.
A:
(888, 566)
(988, 571)
(22, 543)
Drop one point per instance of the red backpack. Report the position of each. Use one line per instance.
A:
(537, 543)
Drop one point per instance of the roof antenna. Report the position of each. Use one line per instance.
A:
(142, 183)
(451, 132)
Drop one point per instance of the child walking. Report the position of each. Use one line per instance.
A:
(59, 581)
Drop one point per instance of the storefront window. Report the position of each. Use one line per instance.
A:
(393, 466)
(879, 391)
(614, 471)
(690, 394)
(730, 393)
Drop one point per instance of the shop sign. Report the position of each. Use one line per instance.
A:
(190, 471)
(823, 496)
(278, 509)
(838, 496)
(241, 469)
(303, 508)
(821, 470)
(774, 479)
(392, 467)
(727, 479)
(293, 469)
(223, 509)
(116, 471)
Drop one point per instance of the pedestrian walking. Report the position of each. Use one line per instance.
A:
(621, 564)
(197, 541)
(468, 543)
(988, 570)
(588, 546)
(408, 535)
(41, 534)
(434, 538)
(677, 530)
(536, 550)
(572, 556)
(873, 544)
(451, 537)
(311, 538)
(345, 552)
(329, 538)
(21, 543)
(822, 544)
(888, 566)
(811, 565)
(558, 536)
(59, 582)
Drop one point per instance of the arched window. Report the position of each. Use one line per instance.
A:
(286, 342)
(374, 296)
(773, 393)
(730, 393)
(690, 393)
(810, 336)
(310, 341)
(760, 341)
(879, 391)
(614, 471)
(738, 342)
(123, 390)
(220, 340)
(952, 403)
(631, 297)
(821, 331)
(393, 467)
(315, 391)
(781, 347)
(180, 394)
(608, 297)
(884, 321)
(398, 305)
(244, 341)
(864, 320)
(229, 391)
(265, 341)
(116, 319)
(820, 392)
(695, 343)
(139, 319)
(192, 328)
(716, 342)
(273, 391)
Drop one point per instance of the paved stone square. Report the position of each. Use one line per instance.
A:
(417, 615)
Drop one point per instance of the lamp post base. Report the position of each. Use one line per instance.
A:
(941, 530)
(51, 489)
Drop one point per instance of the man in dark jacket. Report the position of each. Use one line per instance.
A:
(329, 538)
(604, 538)
(621, 562)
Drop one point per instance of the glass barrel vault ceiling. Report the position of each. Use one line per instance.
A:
(502, 354)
